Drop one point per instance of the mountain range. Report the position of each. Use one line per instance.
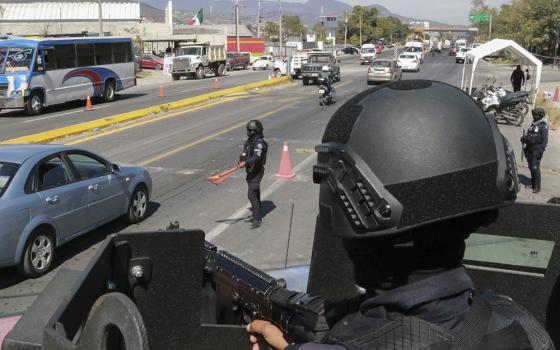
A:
(309, 11)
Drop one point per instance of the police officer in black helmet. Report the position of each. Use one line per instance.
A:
(407, 171)
(534, 144)
(253, 159)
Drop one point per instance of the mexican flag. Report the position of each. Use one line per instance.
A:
(197, 19)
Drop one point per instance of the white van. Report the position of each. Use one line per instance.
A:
(461, 44)
(415, 47)
(367, 53)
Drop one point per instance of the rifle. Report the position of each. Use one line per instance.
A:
(244, 293)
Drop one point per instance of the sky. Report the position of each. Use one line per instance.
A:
(446, 11)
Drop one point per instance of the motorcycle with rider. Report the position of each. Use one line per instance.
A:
(326, 87)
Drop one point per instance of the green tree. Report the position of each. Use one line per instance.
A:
(367, 16)
(292, 26)
(271, 31)
(320, 30)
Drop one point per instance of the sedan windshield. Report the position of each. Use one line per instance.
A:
(19, 59)
(413, 49)
(381, 64)
(7, 172)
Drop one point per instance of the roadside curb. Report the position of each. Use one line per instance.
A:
(48, 136)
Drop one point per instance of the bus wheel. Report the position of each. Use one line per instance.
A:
(34, 103)
(109, 92)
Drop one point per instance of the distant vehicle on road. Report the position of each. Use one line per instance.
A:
(349, 50)
(312, 69)
(238, 60)
(263, 62)
(452, 50)
(409, 62)
(367, 54)
(461, 55)
(51, 194)
(461, 43)
(382, 70)
(415, 48)
(198, 60)
(36, 73)
(151, 61)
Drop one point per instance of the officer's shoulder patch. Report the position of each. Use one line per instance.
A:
(260, 145)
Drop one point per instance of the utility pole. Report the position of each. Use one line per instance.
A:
(360, 29)
(345, 30)
(490, 28)
(280, 28)
(237, 24)
(100, 18)
(259, 19)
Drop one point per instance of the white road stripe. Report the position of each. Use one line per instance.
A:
(198, 88)
(219, 229)
(62, 114)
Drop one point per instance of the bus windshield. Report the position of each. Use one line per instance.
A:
(20, 59)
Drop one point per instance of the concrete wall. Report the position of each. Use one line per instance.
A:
(115, 28)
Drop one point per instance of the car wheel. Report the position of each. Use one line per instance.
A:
(278, 73)
(34, 103)
(38, 253)
(109, 92)
(138, 205)
(158, 67)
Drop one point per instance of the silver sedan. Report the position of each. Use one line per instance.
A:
(50, 194)
(383, 70)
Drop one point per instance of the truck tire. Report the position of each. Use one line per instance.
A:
(277, 73)
(200, 73)
(305, 81)
(220, 70)
(175, 76)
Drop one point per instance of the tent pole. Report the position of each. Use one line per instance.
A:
(463, 77)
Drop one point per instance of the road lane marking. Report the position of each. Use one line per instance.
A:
(134, 125)
(209, 137)
(198, 88)
(220, 228)
(62, 114)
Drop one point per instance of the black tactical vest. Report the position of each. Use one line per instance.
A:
(510, 327)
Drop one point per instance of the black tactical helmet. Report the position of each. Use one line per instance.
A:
(407, 154)
(254, 127)
(538, 113)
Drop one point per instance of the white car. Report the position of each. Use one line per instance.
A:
(415, 50)
(461, 55)
(409, 62)
(263, 62)
(367, 54)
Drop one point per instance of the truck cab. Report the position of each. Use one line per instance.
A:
(198, 60)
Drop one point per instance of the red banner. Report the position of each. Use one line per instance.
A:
(253, 45)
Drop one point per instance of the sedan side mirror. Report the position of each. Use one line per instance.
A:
(115, 168)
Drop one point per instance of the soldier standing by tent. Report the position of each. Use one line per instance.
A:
(517, 79)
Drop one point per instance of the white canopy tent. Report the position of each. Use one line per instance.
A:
(512, 49)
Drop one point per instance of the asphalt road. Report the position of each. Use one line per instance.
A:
(185, 147)
(14, 123)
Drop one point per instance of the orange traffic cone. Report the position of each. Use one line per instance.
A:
(161, 91)
(556, 96)
(89, 108)
(285, 170)
(216, 84)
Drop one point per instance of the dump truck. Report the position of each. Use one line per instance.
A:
(198, 60)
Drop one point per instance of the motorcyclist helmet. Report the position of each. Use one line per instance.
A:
(408, 154)
(538, 113)
(254, 128)
(325, 69)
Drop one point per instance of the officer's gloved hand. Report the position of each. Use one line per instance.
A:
(270, 332)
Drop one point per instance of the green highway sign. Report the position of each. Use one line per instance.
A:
(479, 17)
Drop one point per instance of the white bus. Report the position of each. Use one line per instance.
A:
(36, 73)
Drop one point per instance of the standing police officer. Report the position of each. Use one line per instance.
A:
(407, 171)
(253, 160)
(534, 142)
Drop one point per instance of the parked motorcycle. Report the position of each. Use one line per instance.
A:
(510, 107)
(326, 94)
